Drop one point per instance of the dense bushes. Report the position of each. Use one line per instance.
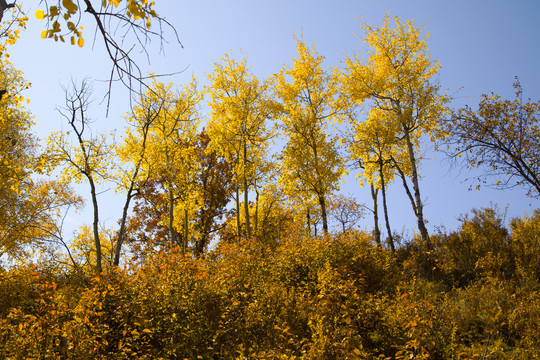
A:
(337, 297)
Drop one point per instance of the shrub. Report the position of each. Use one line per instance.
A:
(525, 243)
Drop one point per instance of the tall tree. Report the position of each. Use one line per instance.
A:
(502, 135)
(83, 156)
(399, 76)
(131, 164)
(170, 154)
(375, 147)
(238, 126)
(310, 160)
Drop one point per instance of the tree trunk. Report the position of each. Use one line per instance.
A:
(319, 191)
(97, 241)
(129, 195)
(405, 186)
(200, 244)
(238, 233)
(385, 207)
(186, 232)
(419, 207)
(246, 198)
(322, 202)
(256, 210)
(377, 231)
(171, 216)
(308, 220)
(121, 235)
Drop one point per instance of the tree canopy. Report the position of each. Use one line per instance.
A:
(502, 135)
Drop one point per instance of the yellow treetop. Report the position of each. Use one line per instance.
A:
(308, 94)
(240, 108)
(399, 76)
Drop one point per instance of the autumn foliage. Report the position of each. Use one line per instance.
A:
(336, 297)
(187, 274)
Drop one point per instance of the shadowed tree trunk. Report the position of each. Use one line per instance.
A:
(238, 233)
(376, 231)
(385, 207)
(246, 198)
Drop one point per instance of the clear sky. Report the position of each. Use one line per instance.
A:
(480, 44)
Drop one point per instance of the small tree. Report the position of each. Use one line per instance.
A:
(346, 211)
(502, 135)
(238, 126)
(374, 146)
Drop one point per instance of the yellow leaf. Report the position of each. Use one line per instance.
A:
(147, 331)
(80, 42)
(44, 34)
(40, 15)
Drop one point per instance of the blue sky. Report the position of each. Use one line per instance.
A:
(481, 46)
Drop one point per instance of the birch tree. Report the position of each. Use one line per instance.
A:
(307, 94)
(400, 78)
(238, 126)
